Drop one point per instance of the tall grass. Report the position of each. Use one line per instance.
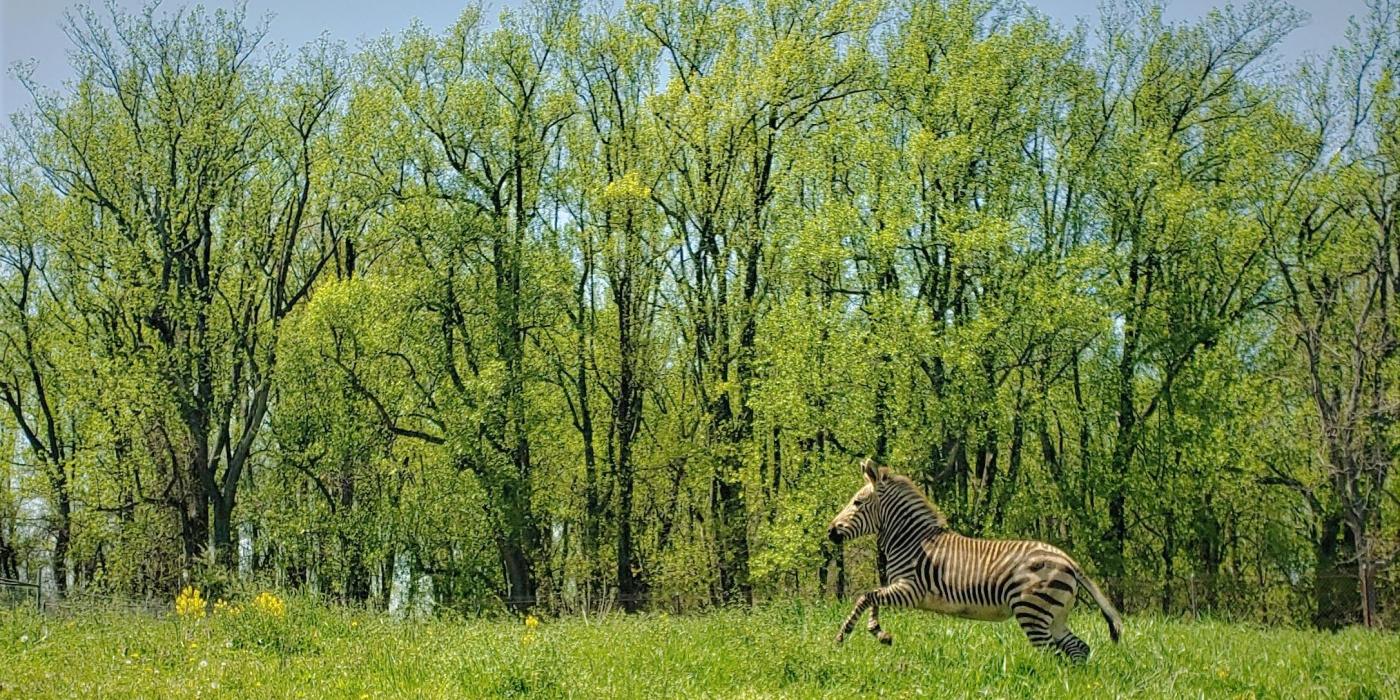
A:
(776, 651)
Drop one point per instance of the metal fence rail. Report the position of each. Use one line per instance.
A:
(1266, 600)
(12, 592)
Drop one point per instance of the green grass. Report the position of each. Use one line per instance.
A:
(778, 651)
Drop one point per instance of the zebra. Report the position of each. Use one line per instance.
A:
(934, 568)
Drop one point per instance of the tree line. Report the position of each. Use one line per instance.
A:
(582, 305)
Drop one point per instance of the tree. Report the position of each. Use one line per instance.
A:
(622, 247)
(745, 81)
(1187, 273)
(32, 372)
(1333, 242)
(481, 114)
(200, 172)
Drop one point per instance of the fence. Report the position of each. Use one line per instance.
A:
(1238, 598)
(16, 593)
(1270, 601)
(1325, 600)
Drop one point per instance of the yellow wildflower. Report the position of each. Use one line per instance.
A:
(531, 621)
(270, 604)
(190, 603)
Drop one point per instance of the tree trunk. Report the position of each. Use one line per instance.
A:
(737, 428)
(881, 457)
(357, 582)
(63, 530)
(1335, 594)
(1168, 560)
(731, 534)
(194, 530)
(386, 578)
(1366, 576)
(521, 539)
(593, 504)
(520, 575)
(627, 421)
(583, 421)
(628, 584)
(1115, 562)
(729, 515)
(223, 533)
(9, 561)
(1115, 554)
(1210, 552)
(1013, 473)
(628, 592)
(833, 564)
(522, 533)
(1365, 572)
(356, 576)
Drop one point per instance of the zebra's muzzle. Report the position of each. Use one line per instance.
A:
(834, 534)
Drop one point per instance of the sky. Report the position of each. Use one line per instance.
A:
(32, 29)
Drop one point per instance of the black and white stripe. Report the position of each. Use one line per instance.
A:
(933, 568)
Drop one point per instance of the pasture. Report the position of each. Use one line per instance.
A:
(780, 650)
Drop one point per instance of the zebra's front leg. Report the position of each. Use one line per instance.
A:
(874, 626)
(863, 602)
(889, 595)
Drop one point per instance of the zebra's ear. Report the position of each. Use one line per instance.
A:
(867, 466)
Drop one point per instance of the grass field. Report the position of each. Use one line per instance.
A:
(777, 651)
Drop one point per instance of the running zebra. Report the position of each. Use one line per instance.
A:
(933, 568)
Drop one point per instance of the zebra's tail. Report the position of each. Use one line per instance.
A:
(1110, 614)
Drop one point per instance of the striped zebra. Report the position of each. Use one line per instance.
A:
(934, 568)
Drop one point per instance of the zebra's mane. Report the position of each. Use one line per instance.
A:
(900, 481)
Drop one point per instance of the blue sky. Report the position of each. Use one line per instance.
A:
(31, 29)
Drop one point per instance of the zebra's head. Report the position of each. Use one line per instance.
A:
(862, 516)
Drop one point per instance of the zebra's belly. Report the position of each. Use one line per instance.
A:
(972, 612)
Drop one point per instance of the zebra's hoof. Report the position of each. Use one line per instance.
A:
(840, 637)
(885, 638)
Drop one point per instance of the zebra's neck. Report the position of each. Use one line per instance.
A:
(909, 521)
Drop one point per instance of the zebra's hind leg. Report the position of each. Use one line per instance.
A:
(1073, 647)
(1036, 626)
(1047, 630)
(1043, 610)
